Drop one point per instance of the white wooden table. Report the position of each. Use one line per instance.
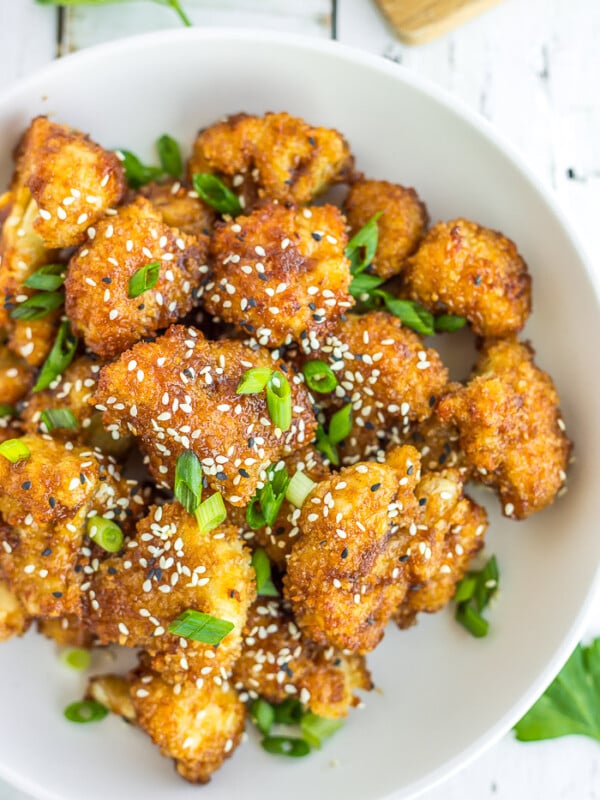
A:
(532, 67)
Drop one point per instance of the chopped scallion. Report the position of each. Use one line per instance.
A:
(254, 380)
(105, 533)
(361, 249)
(187, 486)
(85, 711)
(214, 192)
(279, 401)
(14, 450)
(137, 174)
(169, 155)
(286, 746)
(319, 377)
(448, 323)
(315, 729)
(38, 305)
(262, 569)
(59, 358)
(144, 279)
(299, 488)
(262, 715)
(201, 627)
(76, 658)
(48, 278)
(211, 513)
(58, 418)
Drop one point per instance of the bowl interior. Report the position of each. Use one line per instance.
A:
(442, 695)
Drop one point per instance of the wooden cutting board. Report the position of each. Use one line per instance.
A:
(418, 21)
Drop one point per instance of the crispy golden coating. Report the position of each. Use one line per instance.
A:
(276, 156)
(170, 567)
(113, 692)
(67, 631)
(277, 662)
(437, 442)
(477, 273)
(510, 427)
(180, 208)
(97, 286)
(15, 377)
(280, 273)
(72, 180)
(467, 526)
(401, 226)
(14, 620)
(179, 393)
(33, 339)
(45, 554)
(344, 576)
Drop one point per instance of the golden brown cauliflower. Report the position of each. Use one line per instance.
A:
(276, 156)
(437, 442)
(180, 208)
(280, 273)
(401, 226)
(14, 620)
(465, 269)
(510, 427)
(15, 377)
(45, 555)
(98, 299)
(167, 568)
(179, 393)
(72, 180)
(277, 662)
(69, 631)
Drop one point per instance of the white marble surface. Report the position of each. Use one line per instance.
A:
(532, 67)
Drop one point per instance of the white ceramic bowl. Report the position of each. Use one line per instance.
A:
(444, 696)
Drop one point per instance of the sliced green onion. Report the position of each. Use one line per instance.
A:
(340, 424)
(211, 513)
(319, 377)
(472, 620)
(315, 729)
(254, 380)
(487, 584)
(214, 192)
(14, 450)
(59, 358)
(286, 746)
(363, 240)
(136, 173)
(201, 627)
(58, 418)
(448, 323)
(38, 306)
(279, 401)
(187, 486)
(105, 533)
(169, 155)
(299, 488)
(76, 658)
(363, 284)
(289, 712)
(324, 446)
(264, 506)
(143, 279)
(6, 410)
(262, 715)
(465, 589)
(412, 314)
(48, 278)
(262, 568)
(85, 711)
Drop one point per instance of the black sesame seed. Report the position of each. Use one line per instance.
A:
(442, 458)
(243, 473)
(415, 587)
(312, 141)
(403, 558)
(78, 567)
(26, 485)
(447, 448)
(232, 593)
(47, 551)
(51, 502)
(262, 277)
(345, 552)
(188, 373)
(317, 237)
(317, 318)
(221, 476)
(375, 487)
(369, 426)
(410, 470)
(82, 478)
(432, 401)
(312, 306)
(141, 307)
(278, 531)
(422, 501)
(251, 442)
(337, 662)
(57, 594)
(106, 280)
(477, 280)
(112, 571)
(284, 368)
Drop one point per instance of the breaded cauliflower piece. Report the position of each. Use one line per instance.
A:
(280, 273)
(344, 577)
(277, 156)
(510, 427)
(180, 208)
(98, 302)
(467, 526)
(14, 620)
(69, 631)
(15, 377)
(198, 725)
(169, 567)
(465, 269)
(179, 393)
(401, 226)
(33, 339)
(72, 180)
(44, 553)
(277, 662)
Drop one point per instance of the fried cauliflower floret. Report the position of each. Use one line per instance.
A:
(33, 339)
(180, 209)
(510, 427)
(344, 577)
(400, 226)
(98, 300)
(44, 548)
(474, 272)
(14, 620)
(280, 273)
(198, 725)
(67, 631)
(467, 526)
(15, 377)
(276, 156)
(72, 180)
(277, 662)
(437, 442)
(169, 567)
(179, 393)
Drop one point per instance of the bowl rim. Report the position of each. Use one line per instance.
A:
(457, 107)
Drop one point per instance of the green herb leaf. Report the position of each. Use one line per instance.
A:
(262, 715)
(324, 446)
(143, 279)
(254, 380)
(48, 278)
(169, 155)
(412, 314)
(59, 358)
(14, 450)
(319, 376)
(201, 627)
(472, 620)
(137, 173)
(58, 418)
(84, 711)
(76, 658)
(214, 192)
(448, 323)
(187, 486)
(38, 305)
(315, 729)
(286, 746)
(264, 506)
(262, 568)
(363, 284)
(473, 594)
(361, 248)
(211, 513)
(105, 533)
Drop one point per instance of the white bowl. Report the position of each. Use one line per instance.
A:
(444, 695)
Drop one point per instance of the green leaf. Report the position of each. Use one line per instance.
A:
(472, 595)
(571, 704)
(137, 173)
(262, 568)
(169, 155)
(38, 305)
(214, 192)
(363, 284)
(48, 278)
(264, 506)
(59, 358)
(360, 250)
(412, 314)
(448, 323)
(143, 279)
